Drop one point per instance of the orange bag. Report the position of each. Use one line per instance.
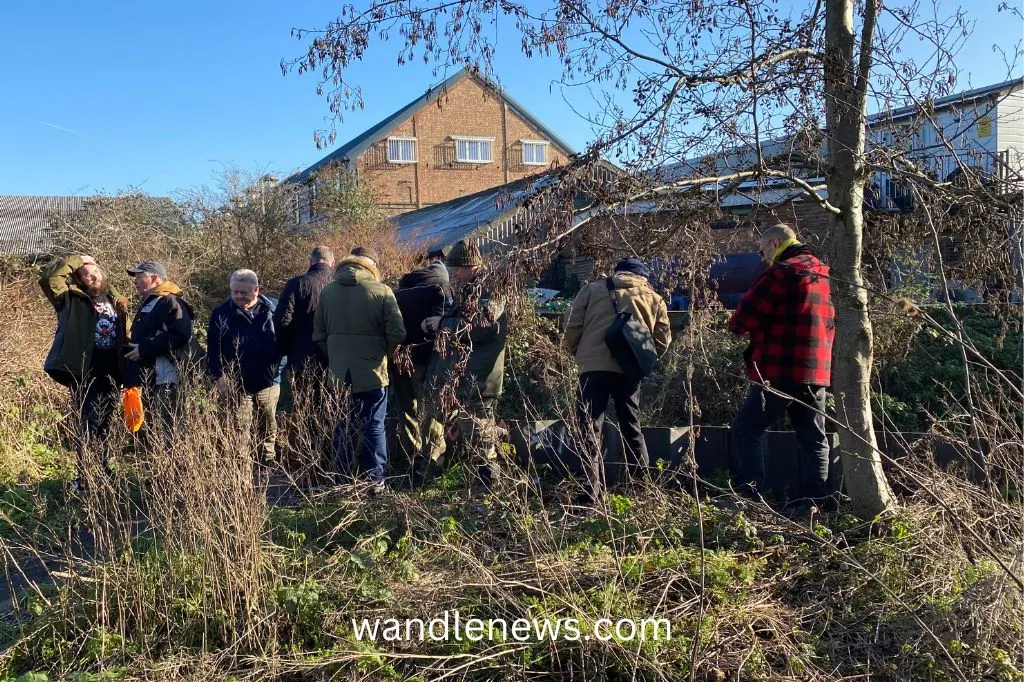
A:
(133, 415)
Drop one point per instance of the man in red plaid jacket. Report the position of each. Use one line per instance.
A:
(789, 318)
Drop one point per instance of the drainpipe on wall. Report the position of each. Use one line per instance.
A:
(416, 167)
(504, 137)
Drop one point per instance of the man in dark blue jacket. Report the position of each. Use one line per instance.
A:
(244, 359)
(293, 319)
(303, 392)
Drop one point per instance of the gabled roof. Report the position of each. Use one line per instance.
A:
(353, 148)
(25, 222)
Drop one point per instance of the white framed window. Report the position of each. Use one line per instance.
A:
(473, 149)
(401, 150)
(535, 152)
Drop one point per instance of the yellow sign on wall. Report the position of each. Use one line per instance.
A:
(985, 126)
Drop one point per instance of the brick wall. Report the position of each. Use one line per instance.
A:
(467, 109)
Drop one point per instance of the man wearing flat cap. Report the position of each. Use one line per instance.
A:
(161, 332)
(466, 372)
(601, 377)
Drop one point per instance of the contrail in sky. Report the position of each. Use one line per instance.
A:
(66, 130)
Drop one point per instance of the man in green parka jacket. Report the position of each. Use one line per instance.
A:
(92, 328)
(357, 325)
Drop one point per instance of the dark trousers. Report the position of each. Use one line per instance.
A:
(161, 403)
(595, 390)
(760, 410)
(97, 402)
(311, 398)
(97, 398)
(368, 411)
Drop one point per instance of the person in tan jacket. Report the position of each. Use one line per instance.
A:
(601, 377)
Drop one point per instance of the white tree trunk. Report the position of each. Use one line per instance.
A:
(845, 88)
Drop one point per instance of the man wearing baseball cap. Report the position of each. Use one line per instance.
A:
(160, 334)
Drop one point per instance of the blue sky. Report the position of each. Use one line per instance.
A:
(99, 97)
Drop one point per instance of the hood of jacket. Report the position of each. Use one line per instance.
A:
(793, 250)
(426, 277)
(166, 288)
(628, 280)
(356, 269)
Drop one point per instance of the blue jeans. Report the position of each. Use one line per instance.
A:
(370, 407)
(760, 410)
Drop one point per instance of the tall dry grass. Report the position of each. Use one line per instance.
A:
(192, 563)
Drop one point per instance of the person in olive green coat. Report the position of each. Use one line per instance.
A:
(92, 328)
(467, 369)
(358, 325)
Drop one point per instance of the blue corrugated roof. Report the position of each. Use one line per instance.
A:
(360, 143)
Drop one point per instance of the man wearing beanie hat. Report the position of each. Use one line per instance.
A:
(601, 377)
(469, 358)
(357, 325)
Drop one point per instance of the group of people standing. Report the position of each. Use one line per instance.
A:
(435, 347)
(337, 325)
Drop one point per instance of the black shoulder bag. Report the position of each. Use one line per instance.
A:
(630, 341)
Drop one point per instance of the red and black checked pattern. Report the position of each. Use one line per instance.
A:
(789, 316)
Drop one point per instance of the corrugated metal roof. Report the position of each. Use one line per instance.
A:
(494, 216)
(360, 143)
(25, 222)
(746, 156)
(444, 224)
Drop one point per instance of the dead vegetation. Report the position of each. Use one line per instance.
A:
(192, 565)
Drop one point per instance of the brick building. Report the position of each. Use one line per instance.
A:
(460, 138)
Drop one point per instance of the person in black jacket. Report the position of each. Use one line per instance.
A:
(243, 358)
(421, 294)
(293, 319)
(307, 367)
(161, 332)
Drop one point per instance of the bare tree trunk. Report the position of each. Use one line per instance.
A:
(845, 95)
